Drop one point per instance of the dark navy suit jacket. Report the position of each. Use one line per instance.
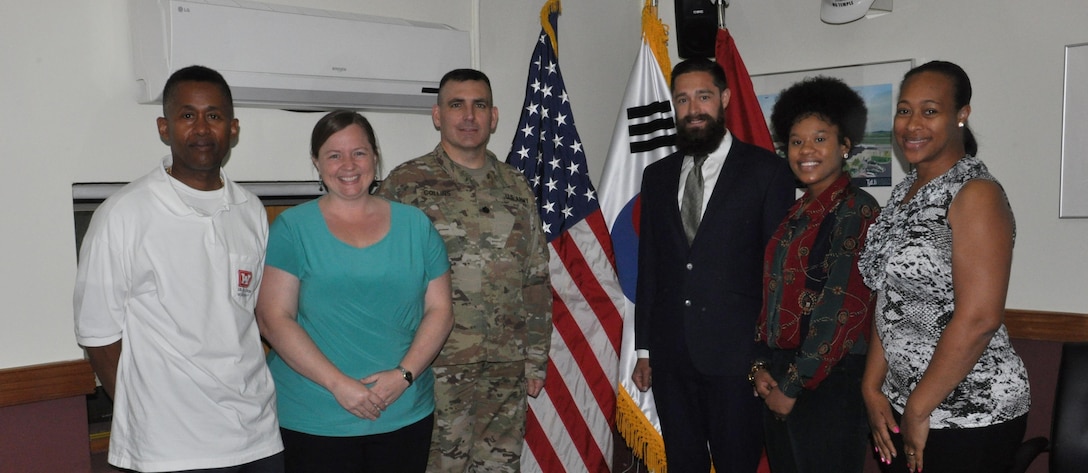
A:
(703, 300)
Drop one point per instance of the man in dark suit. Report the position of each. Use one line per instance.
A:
(700, 277)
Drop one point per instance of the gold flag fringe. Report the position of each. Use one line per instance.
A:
(551, 6)
(656, 34)
(639, 433)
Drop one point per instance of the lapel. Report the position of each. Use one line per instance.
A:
(726, 183)
(672, 189)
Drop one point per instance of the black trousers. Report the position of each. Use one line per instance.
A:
(698, 411)
(272, 464)
(828, 429)
(977, 450)
(400, 451)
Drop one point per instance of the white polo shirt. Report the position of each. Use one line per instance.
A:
(178, 287)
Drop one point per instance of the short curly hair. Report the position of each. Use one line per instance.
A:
(828, 98)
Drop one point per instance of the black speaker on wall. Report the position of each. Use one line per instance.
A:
(696, 27)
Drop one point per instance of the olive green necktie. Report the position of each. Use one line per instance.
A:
(691, 205)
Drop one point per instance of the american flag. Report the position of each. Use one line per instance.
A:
(569, 426)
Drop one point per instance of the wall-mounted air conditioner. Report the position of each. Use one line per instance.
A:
(296, 58)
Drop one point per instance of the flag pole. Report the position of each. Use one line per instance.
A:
(722, 5)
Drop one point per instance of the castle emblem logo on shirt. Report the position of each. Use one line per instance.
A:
(244, 278)
(242, 288)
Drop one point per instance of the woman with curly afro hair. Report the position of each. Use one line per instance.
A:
(817, 313)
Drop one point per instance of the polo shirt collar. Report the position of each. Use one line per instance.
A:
(164, 190)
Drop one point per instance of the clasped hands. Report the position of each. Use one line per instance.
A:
(368, 397)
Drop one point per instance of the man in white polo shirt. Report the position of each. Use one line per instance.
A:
(167, 281)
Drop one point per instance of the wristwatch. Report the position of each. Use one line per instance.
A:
(407, 375)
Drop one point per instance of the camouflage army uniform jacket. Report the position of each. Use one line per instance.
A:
(498, 258)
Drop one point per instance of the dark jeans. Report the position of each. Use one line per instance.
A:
(401, 451)
(827, 430)
(977, 450)
(272, 464)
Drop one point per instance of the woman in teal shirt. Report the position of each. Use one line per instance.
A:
(355, 302)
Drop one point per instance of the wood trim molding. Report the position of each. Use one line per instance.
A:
(1047, 326)
(45, 382)
(62, 379)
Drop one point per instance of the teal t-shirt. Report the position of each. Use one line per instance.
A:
(361, 306)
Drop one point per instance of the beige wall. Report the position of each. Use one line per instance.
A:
(68, 94)
(70, 116)
(1014, 53)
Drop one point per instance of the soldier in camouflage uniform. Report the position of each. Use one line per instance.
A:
(486, 213)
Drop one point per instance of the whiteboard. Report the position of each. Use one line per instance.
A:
(1074, 187)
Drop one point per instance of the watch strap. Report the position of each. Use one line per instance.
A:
(407, 375)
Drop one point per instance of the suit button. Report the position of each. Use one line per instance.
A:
(687, 303)
(690, 266)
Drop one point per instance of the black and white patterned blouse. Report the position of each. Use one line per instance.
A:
(908, 260)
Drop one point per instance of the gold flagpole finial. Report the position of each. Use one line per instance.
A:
(551, 6)
(656, 34)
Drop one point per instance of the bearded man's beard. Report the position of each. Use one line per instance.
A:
(701, 140)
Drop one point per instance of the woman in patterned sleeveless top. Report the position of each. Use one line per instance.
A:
(942, 384)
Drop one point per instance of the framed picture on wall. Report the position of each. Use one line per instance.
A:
(872, 162)
(1073, 200)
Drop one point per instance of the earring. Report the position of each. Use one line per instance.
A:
(845, 155)
(961, 124)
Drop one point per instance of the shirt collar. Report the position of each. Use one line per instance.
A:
(232, 192)
(462, 177)
(717, 157)
(829, 197)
